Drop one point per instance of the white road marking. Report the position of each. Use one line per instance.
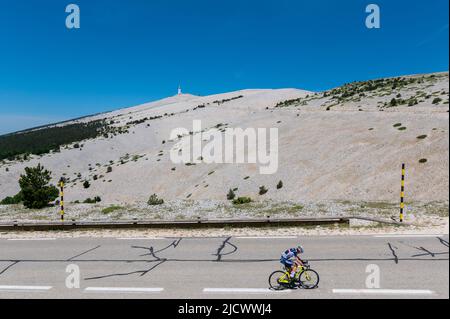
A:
(243, 290)
(267, 237)
(25, 288)
(123, 289)
(384, 291)
(141, 238)
(30, 239)
(406, 236)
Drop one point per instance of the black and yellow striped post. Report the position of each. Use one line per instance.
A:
(61, 201)
(402, 194)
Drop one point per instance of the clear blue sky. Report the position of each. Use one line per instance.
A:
(134, 51)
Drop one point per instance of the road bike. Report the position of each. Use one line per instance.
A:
(305, 278)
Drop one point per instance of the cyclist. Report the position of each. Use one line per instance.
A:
(291, 260)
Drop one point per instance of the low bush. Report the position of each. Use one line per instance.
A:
(263, 190)
(154, 200)
(111, 209)
(280, 185)
(12, 200)
(231, 195)
(242, 200)
(437, 100)
(94, 200)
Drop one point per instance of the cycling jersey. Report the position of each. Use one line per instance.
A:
(288, 257)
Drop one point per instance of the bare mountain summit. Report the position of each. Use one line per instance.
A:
(344, 144)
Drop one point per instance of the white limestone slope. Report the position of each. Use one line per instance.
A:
(351, 152)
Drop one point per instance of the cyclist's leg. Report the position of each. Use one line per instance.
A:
(290, 268)
(294, 270)
(287, 266)
(296, 266)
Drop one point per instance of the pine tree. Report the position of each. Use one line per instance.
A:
(231, 195)
(280, 185)
(36, 192)
(263, 190)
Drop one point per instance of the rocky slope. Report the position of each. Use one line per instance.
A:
(344, 144)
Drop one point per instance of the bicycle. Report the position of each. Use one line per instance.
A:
(305, 277)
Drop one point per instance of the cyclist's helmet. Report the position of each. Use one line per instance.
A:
(300, 250)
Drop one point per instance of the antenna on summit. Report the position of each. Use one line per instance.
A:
(179, 90)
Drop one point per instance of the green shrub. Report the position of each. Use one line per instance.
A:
(263, 190)
(35, 189)
(242, 200)
(111, 209)
(16, 199)
(413, 102)
(393, 102)
(94, 200)
(109, 169)
(154, 200)
(231, 195)
(86, 184)
(397, 125)
(280, 185)
(421, 137)
(437, 100)
(423, 161)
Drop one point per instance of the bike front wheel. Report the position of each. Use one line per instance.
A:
(278, 280)
(309, 279)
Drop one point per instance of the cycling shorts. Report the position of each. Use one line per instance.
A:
(287, 262)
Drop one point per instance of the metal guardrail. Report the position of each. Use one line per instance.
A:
(186, 224)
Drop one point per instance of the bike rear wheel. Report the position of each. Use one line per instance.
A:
(309, 279)
(277, 280)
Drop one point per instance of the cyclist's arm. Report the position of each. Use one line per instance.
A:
(299, 261)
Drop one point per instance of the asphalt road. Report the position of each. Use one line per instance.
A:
(410, 267)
